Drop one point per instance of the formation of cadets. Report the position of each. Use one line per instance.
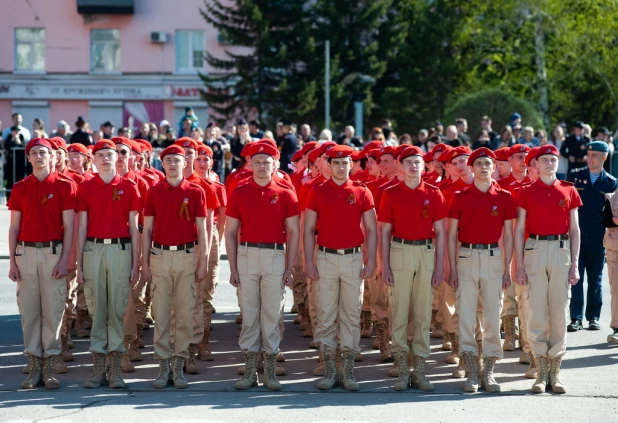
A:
(412, 245)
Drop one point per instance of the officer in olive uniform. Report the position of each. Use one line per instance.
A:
(592, 183)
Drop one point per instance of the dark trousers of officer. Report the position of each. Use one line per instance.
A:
(591, 262)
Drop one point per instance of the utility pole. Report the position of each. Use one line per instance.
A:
(327, 84)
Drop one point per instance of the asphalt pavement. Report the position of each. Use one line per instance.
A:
(590, 372)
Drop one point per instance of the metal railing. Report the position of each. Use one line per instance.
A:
(3, 188)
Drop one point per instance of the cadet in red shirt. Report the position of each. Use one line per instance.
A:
(107, 258)
(517, 159)
(171, 263)
(412, 214)
(548, 263)
(503, 167)
(80, 159)
(479, 216)
(203, 166)
(340, 270)
(41, 225)
(266, 214)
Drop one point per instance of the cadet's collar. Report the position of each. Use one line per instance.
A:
(183, 184)
(268, 185)
(50, 179)
(347, 183)
(115, 180)
(475, 190)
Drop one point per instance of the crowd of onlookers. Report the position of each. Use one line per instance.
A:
(228, 142)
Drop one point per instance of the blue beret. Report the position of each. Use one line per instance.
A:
(598, 146)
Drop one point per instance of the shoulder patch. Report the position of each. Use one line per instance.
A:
(282, 185)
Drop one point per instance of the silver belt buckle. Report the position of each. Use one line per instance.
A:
(341, 252)
(173, 248)
(107, 241)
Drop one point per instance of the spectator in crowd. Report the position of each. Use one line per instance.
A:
(97, 136)
(169, 138)
(38, 125)
(325, 135)
(125, 132)
(212, 140)
(377, 135)
(541, 136)
(517, 134)
(15, 168)
(229, 133)
(515, 119)
(63, 131)
(482, 141)
(144, 133)
(163, 126)
(238, 142)
(183, 131)
(604, 135)
(198, 134)
(80, 135)
(288, 146)
(305, 133)
(432, 141)
(557, 139)
(422, 136)
(440, 131)
(269, 135)
(279, 130)
(528, 137)
(107, 128)
(154, 134)
(507, 139)
(574, 147)
(254, 129)
(347, 138)
(486, 126)
(452, 137)
(405, 139)
(17, 120)
(587, 132)
(462, 131)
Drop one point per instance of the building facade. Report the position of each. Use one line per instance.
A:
(123, 61)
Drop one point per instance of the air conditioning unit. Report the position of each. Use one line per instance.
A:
(158, 37)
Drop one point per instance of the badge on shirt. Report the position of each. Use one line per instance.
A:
(563, 203)
(274, 198)
(184, 209)
(116, 194)
(351, 199)
(494, 211)
(45, 198)
(426, 209)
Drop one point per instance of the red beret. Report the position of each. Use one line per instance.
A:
(502, 154)
(146, 146)
(137, 147)
(60, 143)
(547, 149)
(324, 147)
(428, 157)
(187, 142)
(38, 141)
(297, 156)
(78, 148)
(313, 155)
(53, 144)
(412, 150)
(103, 144)
(262, 148)
(459, 151)
(123, 141)
(440, 148)
(399, 149)
(311, 145)
(518, 148)
(532, 155)
(374, 144)
(374, 152)
(357, 156)
(245, 149)
(173, 149)
(204, 150)
(271, 143)
(480, 152)
(384, 151)
(339, 151)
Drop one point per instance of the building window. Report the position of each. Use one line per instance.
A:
(105, 50)
(30, 49)
(189, 50)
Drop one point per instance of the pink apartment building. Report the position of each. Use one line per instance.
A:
(107, 60)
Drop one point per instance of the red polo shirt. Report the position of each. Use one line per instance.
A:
(412, 212)
(165, 203)
(360, 175)
(212, 202)
(374, 183)
(234, 178)
(450, 189)
(481, 215)
(221, 197)
(159, 176)
(381, 189)
(74, 176)
(151, 179)
(548, 207)
(276, 177)
(302, 200)
(505, 183)
(340, 209)
(108, 206)
(262, 210)
(142, 188)
(41, 205)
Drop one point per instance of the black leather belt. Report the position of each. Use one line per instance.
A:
(109, 240)
(479, 246)
(270, 246)
(341, 252)
(173, 247)
(427, 241)
(47, 244)
(550, 237)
